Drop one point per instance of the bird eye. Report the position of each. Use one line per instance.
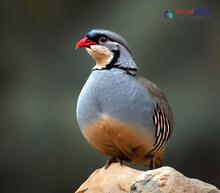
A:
(103, 39)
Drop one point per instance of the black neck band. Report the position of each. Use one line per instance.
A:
(113, 64)
(115, 58)
(130, 71)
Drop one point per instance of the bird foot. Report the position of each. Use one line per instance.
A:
(113, 160)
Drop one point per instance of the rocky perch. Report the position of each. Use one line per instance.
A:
(117, 179)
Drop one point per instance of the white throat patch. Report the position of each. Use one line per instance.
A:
(102, 55)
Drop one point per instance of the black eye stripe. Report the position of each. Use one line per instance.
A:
(94, 37)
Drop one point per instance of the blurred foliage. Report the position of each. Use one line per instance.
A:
(42, 149)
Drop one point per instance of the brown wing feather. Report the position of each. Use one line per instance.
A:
(159, 97)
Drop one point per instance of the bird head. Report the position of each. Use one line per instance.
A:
(108, 49)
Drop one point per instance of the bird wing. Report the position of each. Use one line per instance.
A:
(163, 115)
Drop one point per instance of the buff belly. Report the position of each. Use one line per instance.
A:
(115, 138)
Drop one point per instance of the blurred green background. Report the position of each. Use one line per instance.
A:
(41, 147)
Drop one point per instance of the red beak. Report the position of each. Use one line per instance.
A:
(85, 42)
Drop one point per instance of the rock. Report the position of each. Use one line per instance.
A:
(117, 179)
(168, 180)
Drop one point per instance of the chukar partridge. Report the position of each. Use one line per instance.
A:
(120, 113)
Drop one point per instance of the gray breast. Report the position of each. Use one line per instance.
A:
(117, 94)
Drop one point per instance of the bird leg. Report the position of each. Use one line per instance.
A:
(155, 163)
(152, 164)
(114, 159)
